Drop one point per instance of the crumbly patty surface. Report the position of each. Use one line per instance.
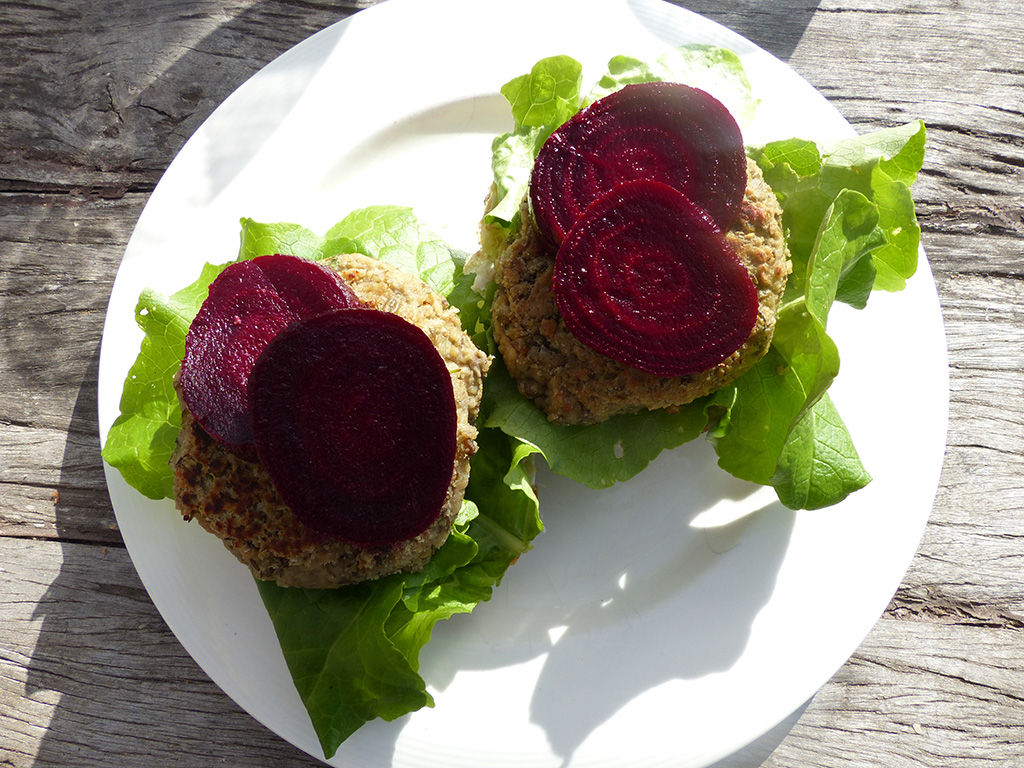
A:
(572, 383)
(235, 499)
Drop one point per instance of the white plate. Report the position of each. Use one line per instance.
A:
(659, 623)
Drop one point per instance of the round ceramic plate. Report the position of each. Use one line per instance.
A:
(665, 622)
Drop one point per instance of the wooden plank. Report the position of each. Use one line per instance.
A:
(101, 95)
(57, 266)
(59, 259)
(776, 27)
(971, 551)
(52, 486)
(918, 694)
(90, 675)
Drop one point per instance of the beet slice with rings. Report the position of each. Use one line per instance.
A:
(354, 419)
(647, 278)
(667, 132)
(307, 287)
(248, 304)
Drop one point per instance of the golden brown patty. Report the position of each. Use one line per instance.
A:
(574, 384)
(235, 499)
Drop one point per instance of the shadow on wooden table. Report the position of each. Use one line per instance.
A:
(777, 26)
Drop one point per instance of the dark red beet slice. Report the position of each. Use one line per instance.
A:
(307, 287)
(647, 278)
(221, 348)
(249, 303)
(666, 132)
(354, 419)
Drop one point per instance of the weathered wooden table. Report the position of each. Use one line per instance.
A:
(96, 98)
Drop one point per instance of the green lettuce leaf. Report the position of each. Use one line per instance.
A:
(848, 236)
(344, 666)
(353, 652)
(773, 395)
(597, 455)
(548, 95)
(802, 361)
(880, 165)
(142, 438)
(389, 233)
(716, 70)
(866, 237)
(394, 235)
(512, 157)
(260, 239)
(540, 101)
(819, 465)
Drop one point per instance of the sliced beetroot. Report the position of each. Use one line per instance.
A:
(666, 132)
(249, 303)
(354, 419)
(647, 278)
(307, 287)
(221, 348)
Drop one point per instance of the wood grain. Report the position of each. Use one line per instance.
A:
(96, 99)
(100, 96)
(76, 693)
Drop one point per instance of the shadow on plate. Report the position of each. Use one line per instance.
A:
(624, 593)
(756, 752)
(486, 114)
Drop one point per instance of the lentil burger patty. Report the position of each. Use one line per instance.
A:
(235, 499)
(574, 384)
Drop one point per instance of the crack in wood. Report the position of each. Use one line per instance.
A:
(929, 604)
(976, 133)
(880, 11)
(92, 191)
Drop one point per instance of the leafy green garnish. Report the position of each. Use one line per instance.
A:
(141, 439)
(548, 95)
(389, 233)
(257, 239)
(512, 161)
(353, 652)
(802, 361)
(862, 231)
(880, 165)
(851, 228)
(708, 67)
(597, 455)
(540, 101)
(819, 465)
